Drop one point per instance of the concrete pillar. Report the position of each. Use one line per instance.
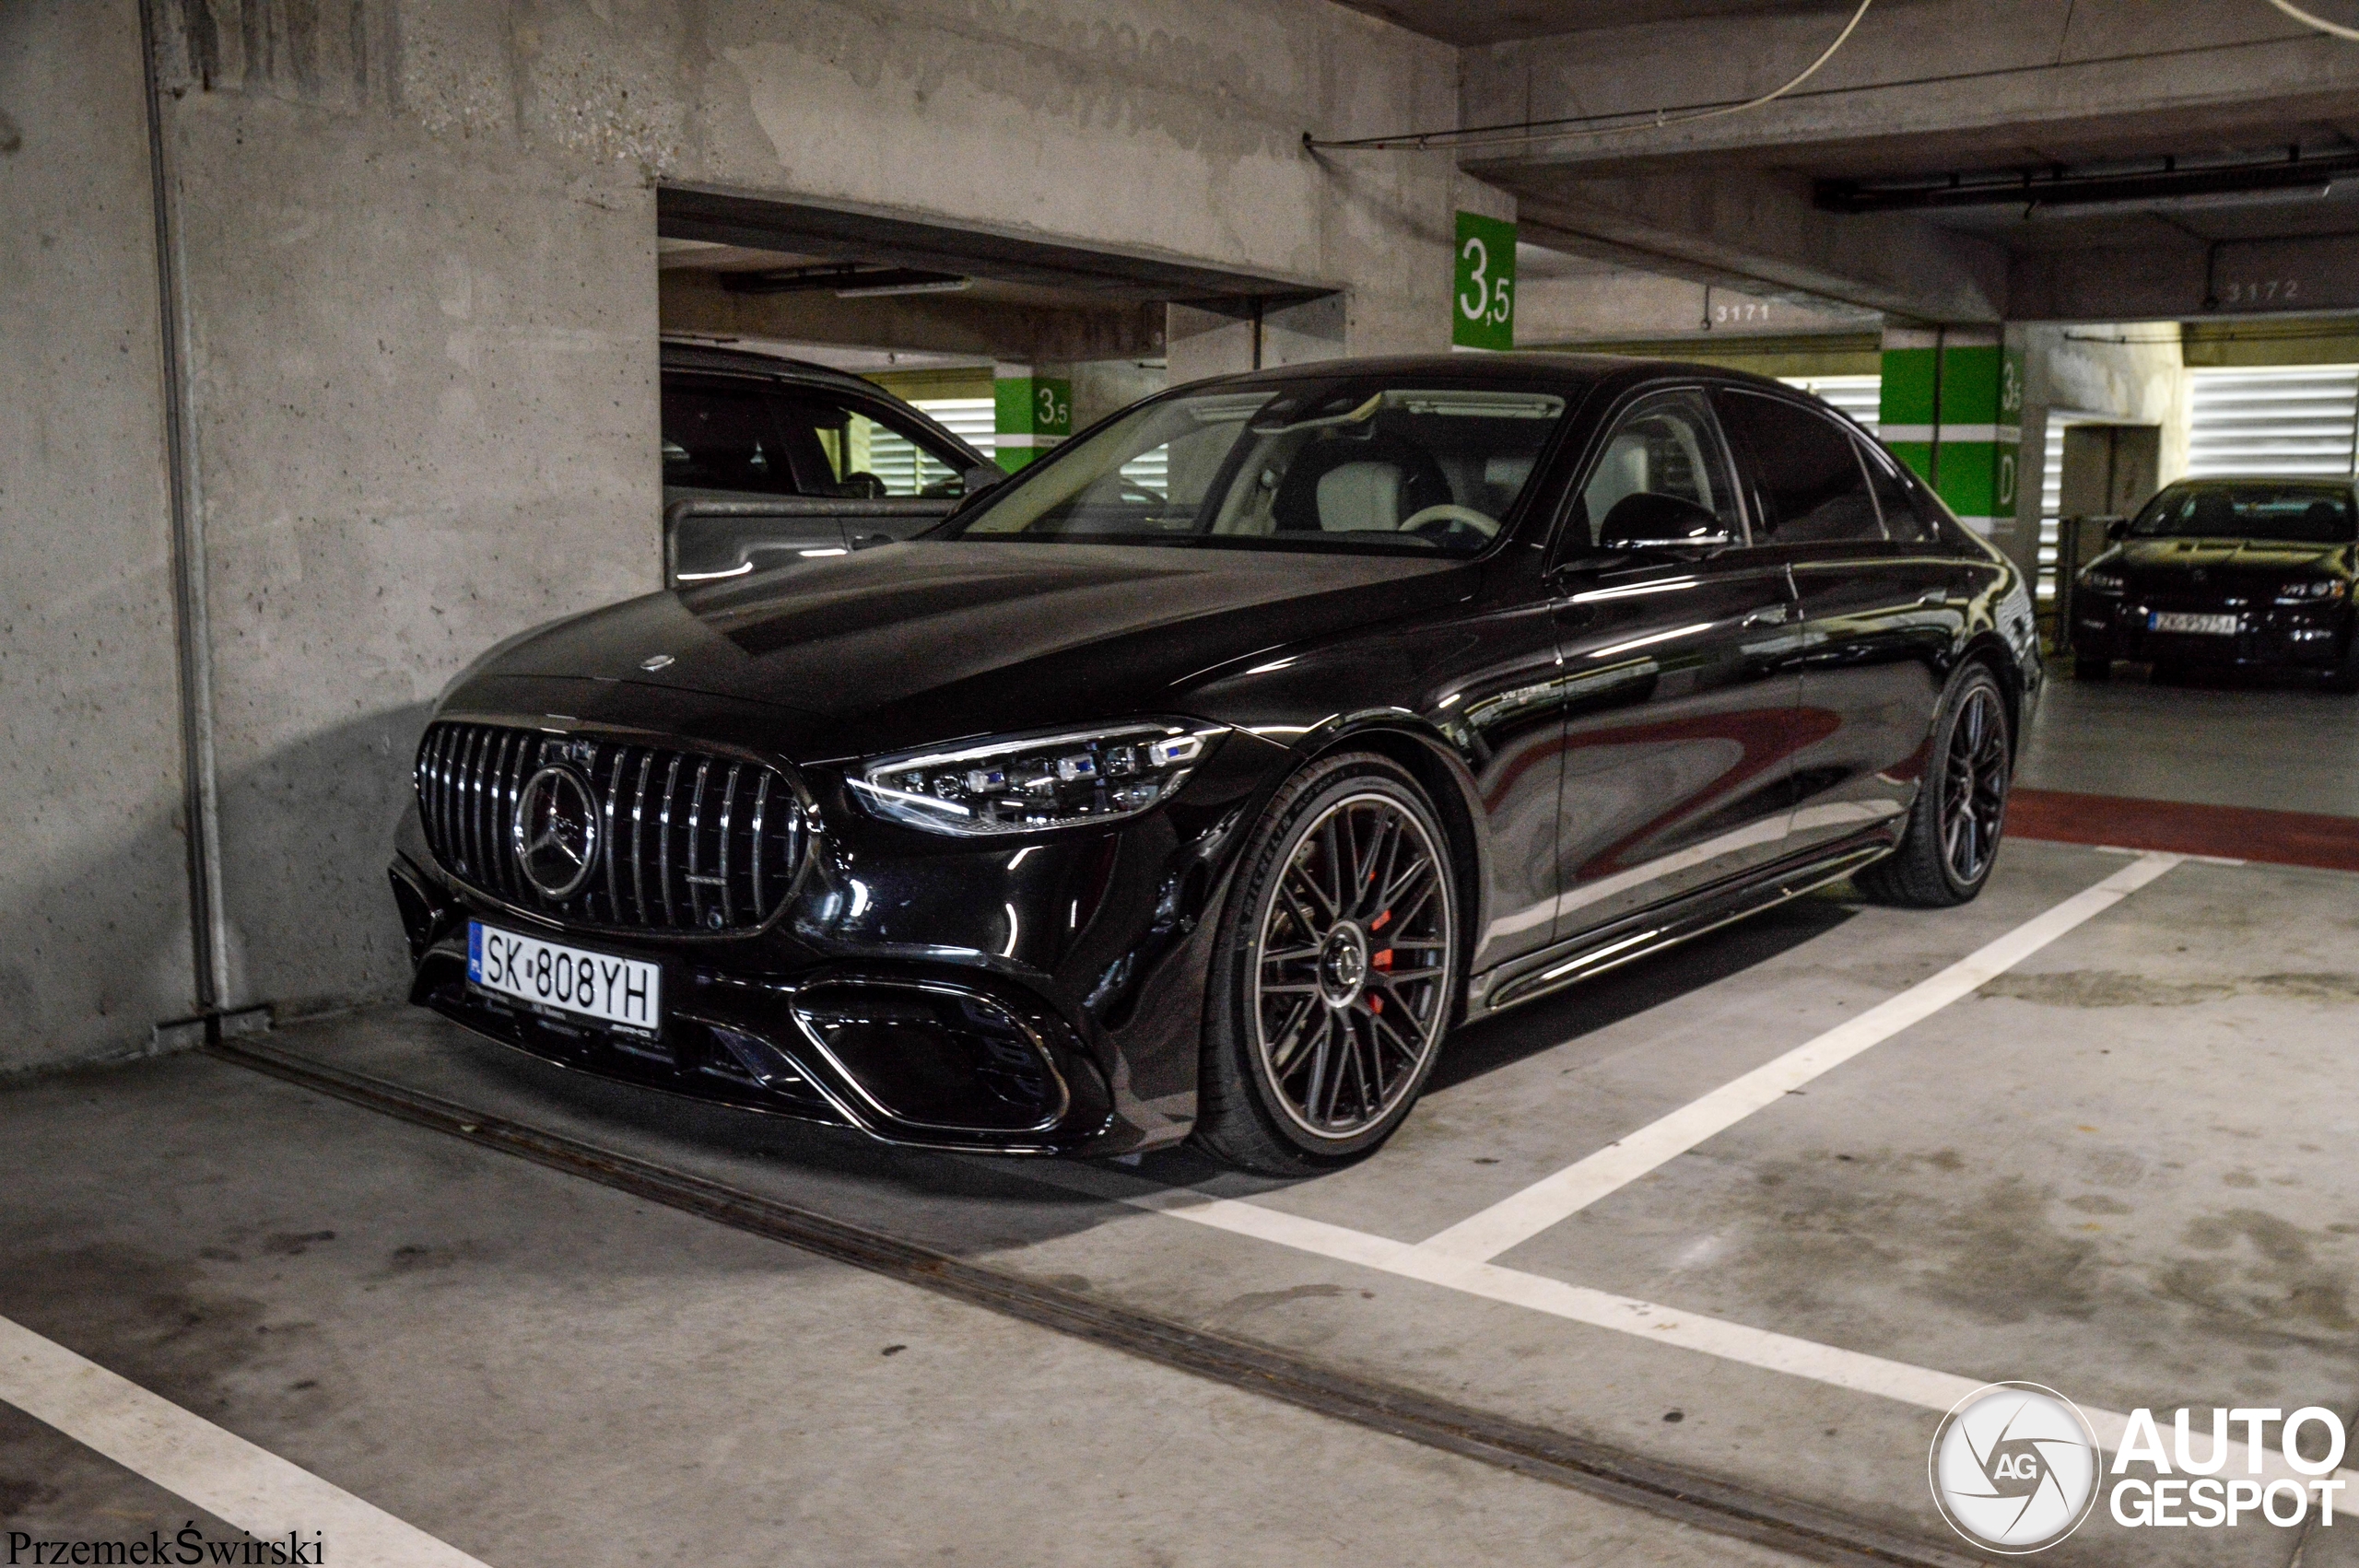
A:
(1952, 410)
(1032, 413)
(94, 908)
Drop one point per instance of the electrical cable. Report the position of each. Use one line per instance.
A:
(2337, 29)
(1662, 119)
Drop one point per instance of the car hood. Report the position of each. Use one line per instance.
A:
(910, 644)
(2230, 560)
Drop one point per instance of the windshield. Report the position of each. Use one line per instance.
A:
(2264, 509)
(1358, 466)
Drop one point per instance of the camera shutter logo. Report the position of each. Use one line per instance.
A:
(2015, 1468)
(556, 832)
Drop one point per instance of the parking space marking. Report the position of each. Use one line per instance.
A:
(1766, 1350)
(1554, 1199)
(218, 1471)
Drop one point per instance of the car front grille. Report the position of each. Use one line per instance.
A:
(686, 842)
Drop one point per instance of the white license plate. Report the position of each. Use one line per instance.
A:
(2202, 625)
(624, 992)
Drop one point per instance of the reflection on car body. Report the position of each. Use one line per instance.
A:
(1124, 807)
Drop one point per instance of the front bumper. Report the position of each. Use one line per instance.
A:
(1042, 995)
(2315, 637)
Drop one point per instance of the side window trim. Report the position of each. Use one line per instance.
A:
(1867, 478)
(1923, 522)
(1560, 550)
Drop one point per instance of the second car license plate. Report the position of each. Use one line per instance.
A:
(624, 992)
(2201, 626)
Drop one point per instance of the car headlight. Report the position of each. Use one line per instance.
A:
(2312, 591)
(1027, 783)
(2101, 582)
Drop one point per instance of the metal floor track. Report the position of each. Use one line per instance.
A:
(1655, 1488)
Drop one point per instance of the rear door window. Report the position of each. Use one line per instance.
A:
(1805, 469)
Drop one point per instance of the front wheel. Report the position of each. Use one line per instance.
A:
(2345, 678)
(1952, 839)
(1335, 976)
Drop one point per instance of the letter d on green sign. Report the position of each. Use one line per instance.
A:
(1482, 304)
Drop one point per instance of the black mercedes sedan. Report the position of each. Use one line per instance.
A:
(1201, 779)
(2220, 574)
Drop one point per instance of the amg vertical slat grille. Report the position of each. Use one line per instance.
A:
(686, 842)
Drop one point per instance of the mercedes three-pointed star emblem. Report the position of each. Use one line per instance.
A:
(556, 832)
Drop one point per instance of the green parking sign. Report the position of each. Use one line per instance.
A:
(1481, 305)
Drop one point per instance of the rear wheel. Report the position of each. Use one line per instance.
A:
(1952, 840)
(1335, 976)
(2345, 678)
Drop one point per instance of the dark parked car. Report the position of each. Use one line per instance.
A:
(768, 460)
(2219, 574)
(1211, 791)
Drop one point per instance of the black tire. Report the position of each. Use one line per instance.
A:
(2091, 669)
(1952, 840)
(1344, 910)
(2345, 677)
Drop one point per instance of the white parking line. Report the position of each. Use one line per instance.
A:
(1922, 1387)
(1554, 1199)
(1458, 1259)
(218, 1471)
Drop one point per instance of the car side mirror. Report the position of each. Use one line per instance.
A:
(2117, 530)
(1649, 521)
(982, 476)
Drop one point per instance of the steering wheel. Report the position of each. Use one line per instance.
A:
(1451, 521)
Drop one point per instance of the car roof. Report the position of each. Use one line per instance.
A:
(681, 355)
(2282, 480)
(1517, 368)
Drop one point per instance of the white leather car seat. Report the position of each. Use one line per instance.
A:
(1359, 496)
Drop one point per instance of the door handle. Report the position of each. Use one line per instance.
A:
(1772, 615)
(1934, 596)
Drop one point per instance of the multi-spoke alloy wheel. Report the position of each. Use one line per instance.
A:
(1335, 981)
(1351, 991)
(1974, 803)
(1950, 839)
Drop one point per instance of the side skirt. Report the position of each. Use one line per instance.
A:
(1666, 925)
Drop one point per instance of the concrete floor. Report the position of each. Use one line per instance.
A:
(2276, 745)
(2119, 1167)
(537, 1369)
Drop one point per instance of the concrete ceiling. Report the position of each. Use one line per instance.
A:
(2080, 91)
(1454, 21)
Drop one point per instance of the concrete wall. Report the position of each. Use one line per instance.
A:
(94, 945)
(2127, 374)
(418, 239)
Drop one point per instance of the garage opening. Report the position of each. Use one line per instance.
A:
(835, 378)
